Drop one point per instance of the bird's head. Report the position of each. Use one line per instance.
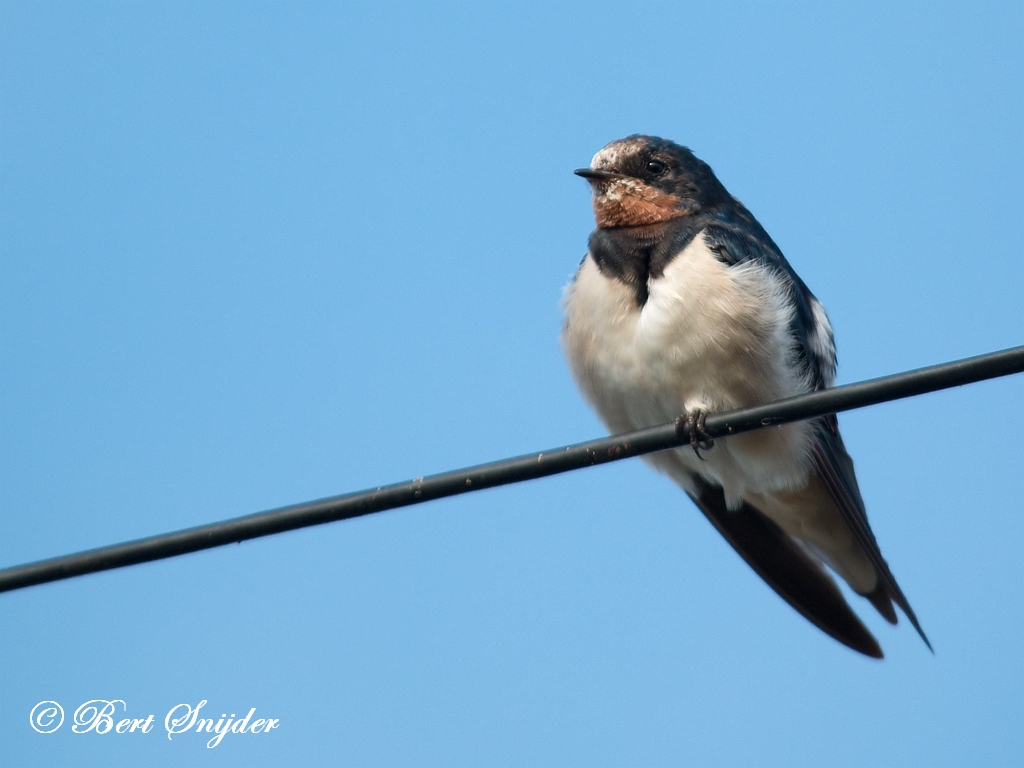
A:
(644, 180)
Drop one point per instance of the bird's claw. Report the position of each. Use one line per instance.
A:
(692, 424)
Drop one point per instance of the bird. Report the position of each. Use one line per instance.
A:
(684, 306)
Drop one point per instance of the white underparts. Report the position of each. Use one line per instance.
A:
(714, 337)
(709, 336)
(822, 343)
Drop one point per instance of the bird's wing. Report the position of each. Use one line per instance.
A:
(736, 237)
(835, 467)
(778, 559)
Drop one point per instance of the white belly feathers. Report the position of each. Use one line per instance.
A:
(710, 336)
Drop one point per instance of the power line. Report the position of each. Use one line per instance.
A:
(515, 470)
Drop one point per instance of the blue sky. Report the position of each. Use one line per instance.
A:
(259, 254)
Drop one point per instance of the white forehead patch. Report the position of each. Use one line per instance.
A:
(610, 156)
(605, 158)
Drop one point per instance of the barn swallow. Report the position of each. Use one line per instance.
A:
(684, 305)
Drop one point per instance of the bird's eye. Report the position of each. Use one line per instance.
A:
(656, 167)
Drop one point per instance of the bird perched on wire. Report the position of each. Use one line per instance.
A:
(684, 305)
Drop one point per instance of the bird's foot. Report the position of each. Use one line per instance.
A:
(692, 424)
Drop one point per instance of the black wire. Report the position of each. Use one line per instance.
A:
(514, 470)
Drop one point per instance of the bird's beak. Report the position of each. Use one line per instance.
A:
(591, 174)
